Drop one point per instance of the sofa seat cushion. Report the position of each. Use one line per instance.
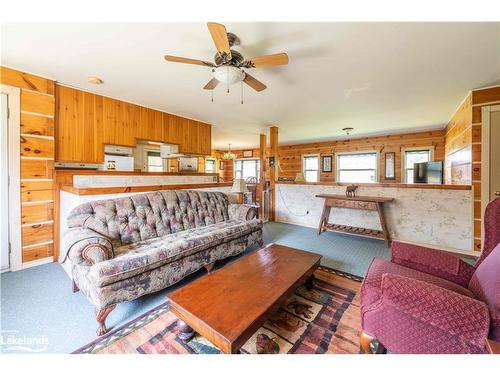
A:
(371, 289)
(133, 259)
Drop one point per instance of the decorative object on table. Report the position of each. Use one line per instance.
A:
(239, 187)
(221, 165)
(228, 155)
(247, 153)
(111, 165)
(390, 162)
(350, 191)
(358, 203)
(299, 177)
(326, 163)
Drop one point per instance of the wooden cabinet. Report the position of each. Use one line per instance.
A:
(79, 126)
(85, 122)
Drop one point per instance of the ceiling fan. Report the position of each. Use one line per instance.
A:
(228, 64)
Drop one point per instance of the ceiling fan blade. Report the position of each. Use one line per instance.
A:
(219, 36)
(253, 83)
(268, 60)
(185, 60)
(212, 84)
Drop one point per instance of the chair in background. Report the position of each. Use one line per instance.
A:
(429, 301)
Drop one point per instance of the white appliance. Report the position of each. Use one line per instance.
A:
(118, 158)
(168, 151)
(188, 164)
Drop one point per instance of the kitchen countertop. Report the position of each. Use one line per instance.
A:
(132, 173)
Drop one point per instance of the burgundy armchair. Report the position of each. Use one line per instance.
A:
(429, 301)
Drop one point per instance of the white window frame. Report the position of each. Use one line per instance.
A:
(304, 165)
(403, 159)
(377, 164)
(215, 164)
(257, 160)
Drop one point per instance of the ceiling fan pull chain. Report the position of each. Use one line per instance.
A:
(212, 95)
(241, 92)
(227, 80)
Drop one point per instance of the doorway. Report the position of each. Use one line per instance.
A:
(490, 166)
(10, 195)
(4, 183)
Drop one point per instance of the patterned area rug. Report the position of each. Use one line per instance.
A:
(325, 319)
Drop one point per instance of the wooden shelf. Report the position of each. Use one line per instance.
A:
(371, 233)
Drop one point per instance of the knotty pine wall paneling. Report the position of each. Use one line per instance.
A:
(37, 162)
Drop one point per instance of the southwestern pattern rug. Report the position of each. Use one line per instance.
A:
(325, 319)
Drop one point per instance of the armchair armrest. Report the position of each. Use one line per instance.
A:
(440, 309)
(434, 262)
(241, 212)
(86, 247)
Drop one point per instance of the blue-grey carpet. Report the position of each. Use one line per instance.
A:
(38, 302)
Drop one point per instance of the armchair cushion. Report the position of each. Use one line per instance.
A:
(371, 289)
(432, 261)
(414, 316)
(485, 284)
(241, 212)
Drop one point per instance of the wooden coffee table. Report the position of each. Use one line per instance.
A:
(230, 304)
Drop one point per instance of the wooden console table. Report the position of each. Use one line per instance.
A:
(359, 203)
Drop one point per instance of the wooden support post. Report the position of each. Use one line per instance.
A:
(262, 176)
(272, 170)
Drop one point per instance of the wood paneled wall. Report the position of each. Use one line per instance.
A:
(290, 156)
(37, 162)
(458, 145)
(86, 121)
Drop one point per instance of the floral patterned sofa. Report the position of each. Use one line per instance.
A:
(117, 250)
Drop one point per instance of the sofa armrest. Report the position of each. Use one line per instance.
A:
(85, 247)
(434, 262)
(466, 318)
(242, 212)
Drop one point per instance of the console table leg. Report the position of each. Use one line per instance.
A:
(380, 210)
(184, 332)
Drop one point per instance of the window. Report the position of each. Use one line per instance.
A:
(357, 167)
(247, 168)
(155, 162)
(209, 165)
(310, 167)
(414, 156)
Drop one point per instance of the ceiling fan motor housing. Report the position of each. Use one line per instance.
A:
(236, 58)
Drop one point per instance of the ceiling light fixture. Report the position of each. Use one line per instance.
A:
(228, 155)
(95, 80)
(347, 130)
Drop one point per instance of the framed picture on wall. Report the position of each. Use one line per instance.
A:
(390, 162)
(221, 165)
(326, 163)
(248, 153)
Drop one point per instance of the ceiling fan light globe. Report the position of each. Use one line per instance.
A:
(229, 74)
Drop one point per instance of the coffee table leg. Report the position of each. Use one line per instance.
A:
(309, 282)
(184, 332)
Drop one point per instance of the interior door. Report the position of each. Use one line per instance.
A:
(494, 159)
(4, 185)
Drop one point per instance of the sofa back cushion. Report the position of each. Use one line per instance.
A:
(144, 216)
(485, 284)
